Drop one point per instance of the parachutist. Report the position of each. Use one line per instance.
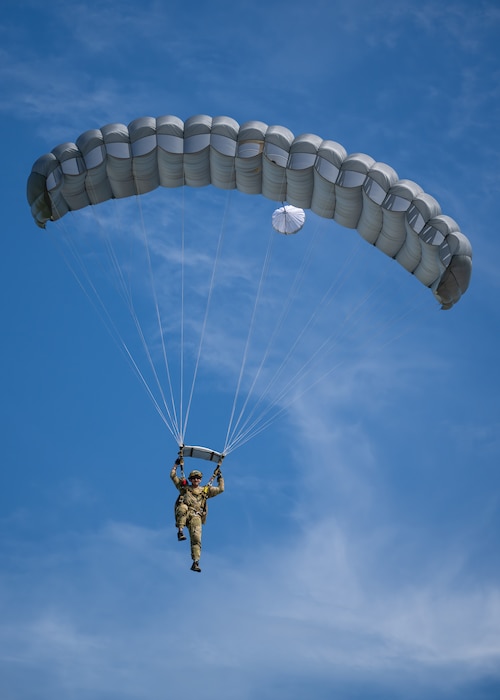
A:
(191, 506)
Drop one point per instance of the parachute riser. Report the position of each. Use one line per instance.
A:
(201, 453)
(217, 471)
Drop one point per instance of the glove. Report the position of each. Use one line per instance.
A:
(177, 461)
(219, 476)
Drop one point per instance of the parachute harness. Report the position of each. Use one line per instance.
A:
(206, 488)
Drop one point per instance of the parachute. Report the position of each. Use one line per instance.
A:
(306, 172)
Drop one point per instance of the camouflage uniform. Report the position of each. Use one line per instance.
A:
(191, 508)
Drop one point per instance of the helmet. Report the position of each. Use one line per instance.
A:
(194, 473)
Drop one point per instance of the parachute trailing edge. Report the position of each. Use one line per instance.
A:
(396, 216)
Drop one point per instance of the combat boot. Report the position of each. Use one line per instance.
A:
(195, 566)
(181, 535)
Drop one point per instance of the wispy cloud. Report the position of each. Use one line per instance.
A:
(76, 629)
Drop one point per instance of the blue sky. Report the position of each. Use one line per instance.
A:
(355, 551)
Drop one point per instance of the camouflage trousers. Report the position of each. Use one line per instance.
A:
(190, 518)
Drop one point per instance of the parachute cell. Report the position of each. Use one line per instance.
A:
(308, 172)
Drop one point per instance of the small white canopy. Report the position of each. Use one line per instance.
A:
(288, 219)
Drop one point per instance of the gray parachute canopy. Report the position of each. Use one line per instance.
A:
(394, 215)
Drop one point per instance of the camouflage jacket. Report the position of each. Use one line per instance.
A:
(195, 498)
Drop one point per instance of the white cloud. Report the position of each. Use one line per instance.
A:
(118, 612)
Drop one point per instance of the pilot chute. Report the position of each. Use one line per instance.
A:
(288, 219)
